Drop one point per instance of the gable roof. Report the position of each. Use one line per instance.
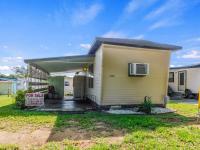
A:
(186, 67)
(131, 42)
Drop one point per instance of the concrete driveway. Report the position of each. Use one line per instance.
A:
(186, 101)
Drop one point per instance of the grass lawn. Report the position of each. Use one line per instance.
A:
(98, 131)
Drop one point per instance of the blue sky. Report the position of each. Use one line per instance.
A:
(49, 28)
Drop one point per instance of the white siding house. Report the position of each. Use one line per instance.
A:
(186, 77)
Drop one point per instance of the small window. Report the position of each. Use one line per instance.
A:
(91, 68)
(90, 82)
(171, 77)
(66, 83)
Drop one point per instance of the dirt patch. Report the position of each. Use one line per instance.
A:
(77, 133)
(83, 138)
(24, 138)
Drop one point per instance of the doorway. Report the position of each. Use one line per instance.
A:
(181, 80)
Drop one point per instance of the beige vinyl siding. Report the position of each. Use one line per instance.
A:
(95, 93)
(120, 89)
(192, 79)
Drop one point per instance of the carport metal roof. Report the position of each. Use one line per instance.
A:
(61, 64)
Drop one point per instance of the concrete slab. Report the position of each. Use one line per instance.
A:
(66, 106)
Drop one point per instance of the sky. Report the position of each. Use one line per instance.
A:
(50, 28)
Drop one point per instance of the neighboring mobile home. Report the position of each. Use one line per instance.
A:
(185, 77)
(8, 86)
(119, 71)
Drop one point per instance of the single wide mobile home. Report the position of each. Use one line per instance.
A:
(119, 71)
(185, 77)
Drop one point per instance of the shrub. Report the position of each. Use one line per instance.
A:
(146, 105)
(29, 90)
(20, 99)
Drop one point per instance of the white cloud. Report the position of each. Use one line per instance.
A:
(141, 36)
(84, 15)
(196, 39)
(172, 65)
(4, 46)
(175, 66)
(194, 54)
(114, 34)
(44, 46)
(159, 24)
(134, 5)
(5, 68)
(164, 23)
(12, 59)
(85, 45)
(168, 14)
(69, 44)
(71, 54)
(171, 6)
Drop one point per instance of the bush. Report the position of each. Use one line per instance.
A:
(146, 105)
(29, 90)
(20, 99)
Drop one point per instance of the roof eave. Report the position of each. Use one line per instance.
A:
(96, 44)
(58, 58)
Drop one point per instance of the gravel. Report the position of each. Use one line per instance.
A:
(134, 111)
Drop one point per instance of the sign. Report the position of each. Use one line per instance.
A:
(34, 99)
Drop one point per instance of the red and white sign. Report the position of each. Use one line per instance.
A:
(34, 99)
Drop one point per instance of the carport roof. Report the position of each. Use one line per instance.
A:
(61, 64)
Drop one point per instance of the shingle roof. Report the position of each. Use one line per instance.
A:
(131, 42)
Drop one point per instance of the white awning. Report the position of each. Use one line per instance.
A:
(61, 64)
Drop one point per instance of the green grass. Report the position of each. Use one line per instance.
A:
(170, 131)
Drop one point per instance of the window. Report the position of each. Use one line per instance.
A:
(171, 77)
(91, 68)
(66, 83)
(90, 82)
(182, 78)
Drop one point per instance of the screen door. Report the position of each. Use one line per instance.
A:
(181, 80)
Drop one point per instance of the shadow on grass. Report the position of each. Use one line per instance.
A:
(93, 124)
(100, 125)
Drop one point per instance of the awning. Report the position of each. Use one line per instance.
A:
(61, 64)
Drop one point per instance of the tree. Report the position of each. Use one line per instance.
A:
(20, 71)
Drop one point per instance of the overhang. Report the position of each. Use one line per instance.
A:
(132, 43)
(61, 64)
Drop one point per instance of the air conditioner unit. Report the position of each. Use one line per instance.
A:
(138, 69)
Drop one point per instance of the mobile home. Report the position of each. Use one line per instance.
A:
(118, 71)
(185, 78)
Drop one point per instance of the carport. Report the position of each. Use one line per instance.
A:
(39, 73)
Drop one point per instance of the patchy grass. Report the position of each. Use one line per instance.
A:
(12, 118)
(170, 131)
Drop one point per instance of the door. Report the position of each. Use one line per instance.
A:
(181, 80)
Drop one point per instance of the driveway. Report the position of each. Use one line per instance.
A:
(186, 101)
